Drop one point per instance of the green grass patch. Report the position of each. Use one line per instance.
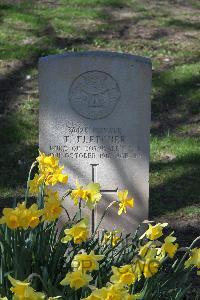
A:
(175, 175)
(19, 137)
(177, 90)
(164, 32)
(95, 3)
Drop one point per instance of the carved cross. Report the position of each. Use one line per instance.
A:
(94, 179)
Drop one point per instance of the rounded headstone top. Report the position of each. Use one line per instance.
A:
(136, 58)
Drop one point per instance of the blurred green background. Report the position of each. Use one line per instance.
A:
(166, 31)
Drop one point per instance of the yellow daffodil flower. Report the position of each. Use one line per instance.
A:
(78, 233)
(97, 294)
(154, 232)
(28, 217)
(78, 194)
(93, 195)
(55, 176)
(194, 259)
(22, 290)
(21, 217)
(150, 267)
(34, 185)
(47, 160)
(123, 275)
(169, 247)
(147, 265)
(113, 291)
(151, 257)
(50, 172)
(34, 216)
(86, 262)
(138, 267)
(137, 296)
(76, 279)
(111, 236)
(52, 206)
(10, 218)
(124, 202)
(149, 251)
(90, 194)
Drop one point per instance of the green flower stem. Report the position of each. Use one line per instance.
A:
(66, 212)
(38, 276)
(41, 196)
(62, 199)
(27, 184)
(79, 206)
(66, 194)
(107, 208)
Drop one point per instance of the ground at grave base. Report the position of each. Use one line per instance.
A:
(167, 31)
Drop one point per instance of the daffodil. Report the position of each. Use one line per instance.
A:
(97, 294)
(124, 201)
(76, 279)
(15, 217)
(52, 205)
(78, 194)
(154, 232)
(137, 266)
(47, 161)
(149, 260)
(89, 194)
(169, 247)
(34, 215)
(55, 176)
(23, 291)
(123, 275)
(111, 292)
(78, 233)
(28, 217)
(194, 259)
(92, 195)
(50, 172)
(150, 267)
(86, 262)
(21, 216)
(111, 236)
(149, 250)
(34, 184)
(10, 218)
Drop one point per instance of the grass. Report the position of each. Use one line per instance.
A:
(165, 31)
(174, 175)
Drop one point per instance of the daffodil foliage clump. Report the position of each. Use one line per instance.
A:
(41, 260)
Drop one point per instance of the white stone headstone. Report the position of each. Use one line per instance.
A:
(95, 116)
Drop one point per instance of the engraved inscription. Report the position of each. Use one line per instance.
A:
(97, 143)
(94, 94)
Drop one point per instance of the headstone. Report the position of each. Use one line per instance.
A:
(95, 116)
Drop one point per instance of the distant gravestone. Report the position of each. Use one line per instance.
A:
(95, 116)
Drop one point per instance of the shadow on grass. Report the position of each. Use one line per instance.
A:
(175, 102)
(179, 191)
(183, 24)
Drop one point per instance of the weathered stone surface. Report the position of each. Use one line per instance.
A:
(95, 115)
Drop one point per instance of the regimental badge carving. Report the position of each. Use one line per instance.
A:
(94, 94)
